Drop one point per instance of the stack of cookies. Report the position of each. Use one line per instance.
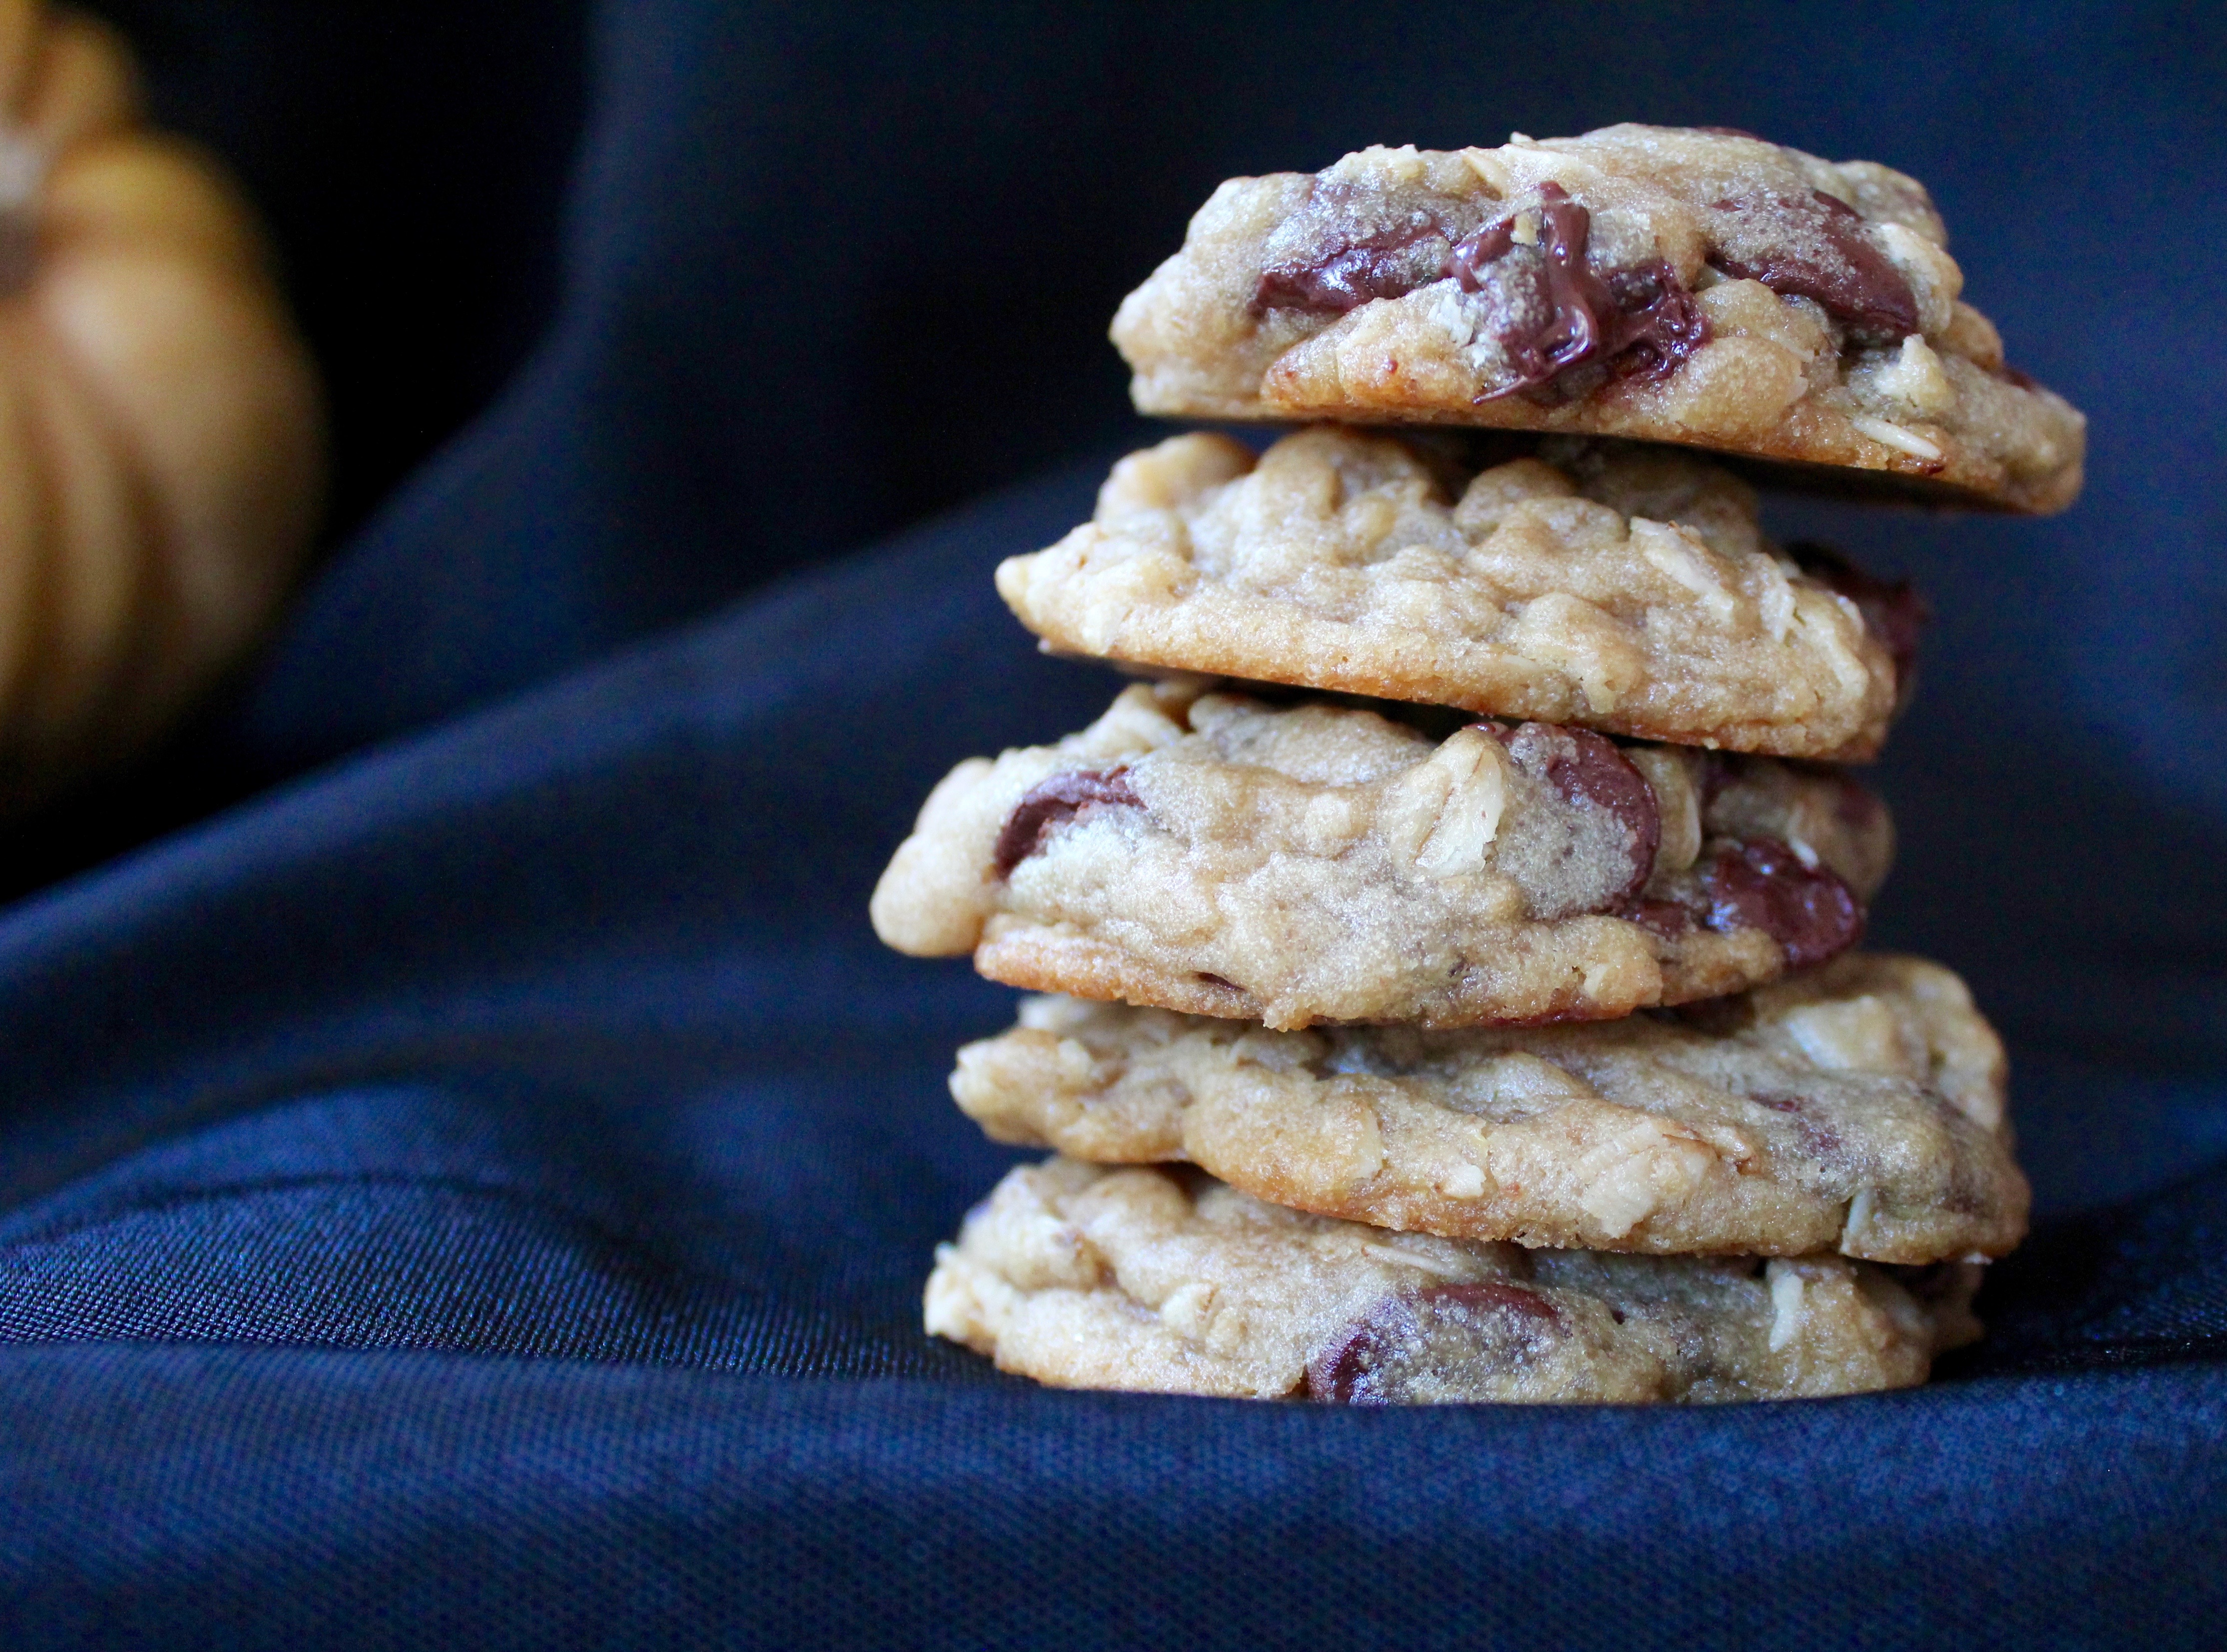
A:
(1453, 932)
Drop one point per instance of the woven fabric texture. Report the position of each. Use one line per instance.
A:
(476, 1190)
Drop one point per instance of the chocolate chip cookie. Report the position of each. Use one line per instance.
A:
(1168, 1281)
(1857, 1107)
(1705, 288)
(1616, 587)
(1220, 853)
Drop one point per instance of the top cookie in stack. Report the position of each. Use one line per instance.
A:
(1456, 733)
(1700, 287)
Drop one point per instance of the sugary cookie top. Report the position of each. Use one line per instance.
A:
(1622, 587)
(1677, 284)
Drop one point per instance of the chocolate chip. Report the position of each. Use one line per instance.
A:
(1895, 614)
(1589, 772)
(1370, 251)
(1434, 1336)
(1467, 260)
(1554, 314)
(1665, 918)
(1348, 278)
(1819, 253)
(1762, 885)
(1052, 804)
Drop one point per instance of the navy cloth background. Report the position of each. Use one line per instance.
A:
(473, 1189)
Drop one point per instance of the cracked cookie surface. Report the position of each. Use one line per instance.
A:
(1222, 854)
(1167, 1281)
(1666, 283)
(1620, 587)
(1857, 1107)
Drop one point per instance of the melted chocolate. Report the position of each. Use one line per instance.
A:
(1895, 614)
(1839, 269)
(1762, 885)
(1052, 804)
(1439, 1326)
(1590, 772)
(1638, 322)
(1348, 277)
(1366, 261)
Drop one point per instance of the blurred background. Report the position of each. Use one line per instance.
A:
(628, 310)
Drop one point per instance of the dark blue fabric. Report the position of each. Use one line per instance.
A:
(476, 1191)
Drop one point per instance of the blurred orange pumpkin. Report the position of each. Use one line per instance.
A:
(161, 432)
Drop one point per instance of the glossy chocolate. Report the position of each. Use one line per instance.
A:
(1371, 255)
(1762, 885)
(1638, 322)
(1839, 268)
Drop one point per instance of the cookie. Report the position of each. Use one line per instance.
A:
(1167, 1281)
(1223, 854)
(1621, 587)
(1855, 1108)
(1659, 282)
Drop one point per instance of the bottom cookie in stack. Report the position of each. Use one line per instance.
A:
(1165, 1280)
(1788, 1198)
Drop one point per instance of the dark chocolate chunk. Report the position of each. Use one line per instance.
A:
(1432, 1339)
(1665, 918)
(1589, 772)
(1762, 885)
(1372, 267)
(1895, 614)
(1637, 321)
(1467, 260)
(1052, 803)
(1372, 252)
(1828, 260)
